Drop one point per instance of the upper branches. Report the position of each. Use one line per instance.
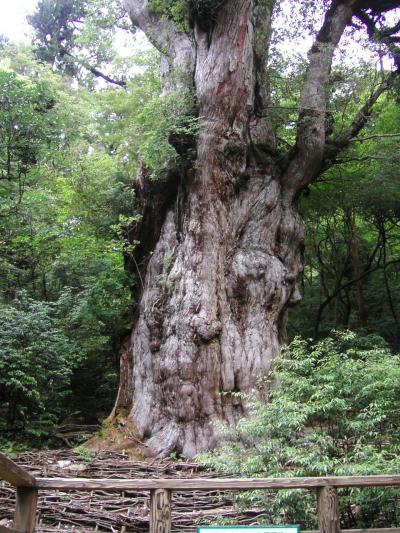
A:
(160, 31)
(378, 32)
(309, 151)
(313, 152)
(175, 45)
(338, 144)
(377, 6)
(74, 36)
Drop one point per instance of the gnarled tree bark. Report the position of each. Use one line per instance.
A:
(221, 246)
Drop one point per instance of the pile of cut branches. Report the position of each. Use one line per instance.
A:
(118, 512)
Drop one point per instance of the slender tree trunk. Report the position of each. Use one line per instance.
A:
(386, 279)
(357, 271)
(221, 244)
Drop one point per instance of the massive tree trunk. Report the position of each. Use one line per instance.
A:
(221, 242)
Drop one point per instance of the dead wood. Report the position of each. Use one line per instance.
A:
(126, 512)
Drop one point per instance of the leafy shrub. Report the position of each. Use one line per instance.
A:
(36, 363)
(334, 410)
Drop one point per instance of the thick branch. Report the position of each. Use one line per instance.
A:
(307, 159)
(385, 35)
(377, 136)
(389, 31)
(95, 71)
(175, 45)
(262, 18)
(378, 6)
(160, 31)
(100, 74)
(360, 159)
(335, 146)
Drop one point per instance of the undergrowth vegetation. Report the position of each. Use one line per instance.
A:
(334, 409)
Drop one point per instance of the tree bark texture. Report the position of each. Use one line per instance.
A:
(221, 243)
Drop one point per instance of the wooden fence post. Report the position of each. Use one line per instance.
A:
(328, 510)
(25, 509)
(160, 511)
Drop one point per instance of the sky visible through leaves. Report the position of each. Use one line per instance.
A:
(13, 25)
(13, 22)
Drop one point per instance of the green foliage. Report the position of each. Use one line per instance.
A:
(177, 10)
(26, 129)
(351, 216)
(36, 362)
(55, 25)
(84, 454)
(334, 409)
(138, 123)
(60, 200)
(182, 12)
(159, 119)
(77, 37)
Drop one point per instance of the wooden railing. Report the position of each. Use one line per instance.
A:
(27, 488)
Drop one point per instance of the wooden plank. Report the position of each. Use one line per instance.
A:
(25, 509)
(14, 474)
(328, 510)
(216, 484)
(160, 511)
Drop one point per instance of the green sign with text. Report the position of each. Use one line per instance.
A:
(249, 529)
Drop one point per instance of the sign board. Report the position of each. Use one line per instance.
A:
(249, 529)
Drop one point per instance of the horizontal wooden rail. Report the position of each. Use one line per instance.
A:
(84, 484)
(14, 474)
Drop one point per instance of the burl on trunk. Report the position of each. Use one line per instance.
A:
(221, 245)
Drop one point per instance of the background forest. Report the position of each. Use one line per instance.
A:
(78, 112)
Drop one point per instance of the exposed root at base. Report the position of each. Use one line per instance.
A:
(118, 434)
